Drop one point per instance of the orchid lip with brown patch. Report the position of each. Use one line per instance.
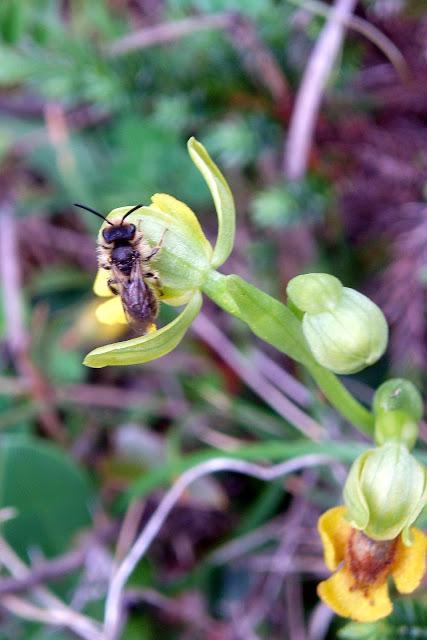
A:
(368, 560)
(358, 587)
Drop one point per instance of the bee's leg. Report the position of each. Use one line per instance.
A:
(138, 239)
(155, 277)
(157, 248)
(111, 285)
(104, 263)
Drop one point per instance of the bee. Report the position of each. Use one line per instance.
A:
(124, 251)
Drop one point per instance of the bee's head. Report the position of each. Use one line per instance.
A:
(119, 231)
(124, 232)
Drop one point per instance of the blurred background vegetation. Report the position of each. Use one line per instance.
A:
(97, 101)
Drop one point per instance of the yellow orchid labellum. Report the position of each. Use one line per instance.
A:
(358, 588)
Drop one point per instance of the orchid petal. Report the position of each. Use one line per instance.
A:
(147, 347)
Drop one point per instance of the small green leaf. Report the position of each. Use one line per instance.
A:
(223, 200)
(148, 347)
(270, 320)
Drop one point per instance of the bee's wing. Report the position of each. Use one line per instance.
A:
(139, 300)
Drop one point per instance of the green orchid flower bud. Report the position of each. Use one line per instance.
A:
(385, 492)
(399, 394)
(345, 330)
(395, 426)
(398, 406)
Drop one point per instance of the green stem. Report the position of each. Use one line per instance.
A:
(286, 336)
(216, 287)
(342, 399)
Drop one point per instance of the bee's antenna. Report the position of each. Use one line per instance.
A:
(82, 206)
(138, 206)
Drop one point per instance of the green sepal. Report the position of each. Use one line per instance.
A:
(350, 337)
(314, 292)
(357, 506)
(222, 197)
(269, 319)
(385, 492)
(148, 347)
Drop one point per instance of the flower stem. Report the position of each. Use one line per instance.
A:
(282, 329)
(342, 399)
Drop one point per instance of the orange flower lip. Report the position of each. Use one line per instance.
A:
(358, 588)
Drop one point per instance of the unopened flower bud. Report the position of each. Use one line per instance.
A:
(399, 394)
(398, 407)
(395, 426)
(385, 492)
(345, 330)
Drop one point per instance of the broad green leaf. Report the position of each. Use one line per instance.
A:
(51, 494)
(148, 347)
(269, 319)
(223, 200)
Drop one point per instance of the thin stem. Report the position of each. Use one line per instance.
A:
(147, 535)
(168, 31)
(53, 611)
(368, 30)
(342, 399)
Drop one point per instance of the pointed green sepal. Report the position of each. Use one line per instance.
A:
(223, 200)
(148, 347)
(346, 331)
(385, 492)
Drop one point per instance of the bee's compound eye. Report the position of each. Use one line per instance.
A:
(132, 228)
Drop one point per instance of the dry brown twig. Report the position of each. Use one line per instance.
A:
(256, 56)
(113, 608)
(16, 335)
(216, 339)
(309, 96)
(52, 611)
